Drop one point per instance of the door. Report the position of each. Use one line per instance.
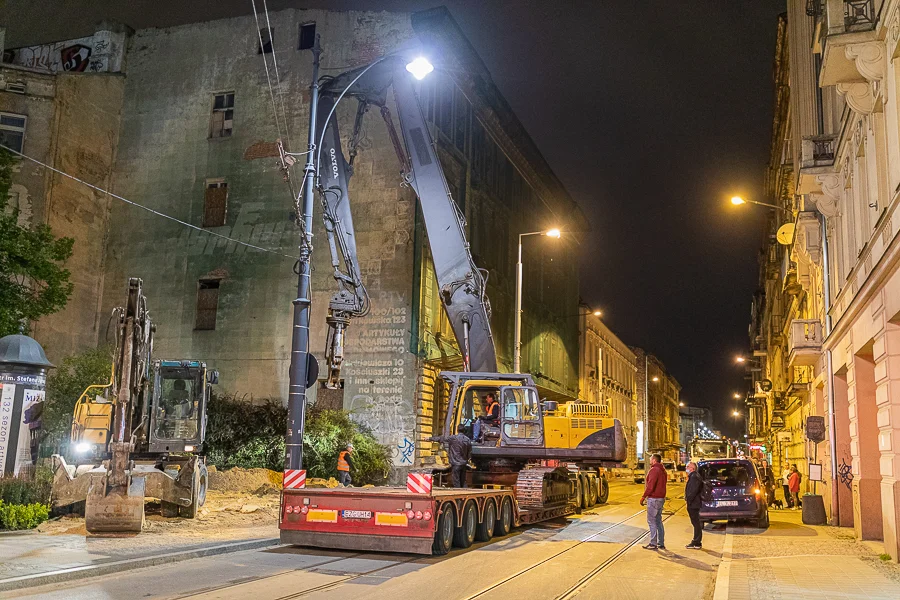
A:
(520, 417)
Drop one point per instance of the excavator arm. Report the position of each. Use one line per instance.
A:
(462, 284)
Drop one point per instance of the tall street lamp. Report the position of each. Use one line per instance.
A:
(517, 356)
(737, 201)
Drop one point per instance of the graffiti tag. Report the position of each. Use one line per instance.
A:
(406, 448)
(845, 472)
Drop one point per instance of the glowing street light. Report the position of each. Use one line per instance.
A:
(598, 313)
(737, 396)
(740, 359)
(553, 233)
(420, 67)
(681, 404)
(738, 200)
(736, 413)
(655, 378)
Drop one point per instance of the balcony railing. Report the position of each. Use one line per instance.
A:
(817, 151)
(805, 342)
(859, 15)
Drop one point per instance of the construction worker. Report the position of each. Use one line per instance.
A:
(459, 451)
(344, 465)
(491, 417)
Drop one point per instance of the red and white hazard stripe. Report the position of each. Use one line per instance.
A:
(418, 483)
(294, 479)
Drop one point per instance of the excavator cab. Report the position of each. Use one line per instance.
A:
(178, 405)
(521, 422)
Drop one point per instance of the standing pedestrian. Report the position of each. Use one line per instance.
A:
(794, 484)
(654, 497)
(786, 485)
(693, 491)
(459, 451)
(345, 463)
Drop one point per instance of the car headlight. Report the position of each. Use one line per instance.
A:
(188, 448)
(84, 447)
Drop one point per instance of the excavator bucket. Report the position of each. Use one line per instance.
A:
(114, 509)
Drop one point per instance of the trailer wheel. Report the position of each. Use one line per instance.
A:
(485, 530)
(578, 495)
(465, 533)
(594, 485)
(504, 518)
(603, 497)
(443, 535)
(586, 492)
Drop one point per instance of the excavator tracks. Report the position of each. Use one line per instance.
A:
(542, 488)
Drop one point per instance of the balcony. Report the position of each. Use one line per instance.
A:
(805, 342)
(817, 151)
(843, 23)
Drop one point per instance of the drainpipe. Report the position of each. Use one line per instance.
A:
(829, 370)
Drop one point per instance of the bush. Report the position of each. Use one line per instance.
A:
(22, 516)
(240, 434)
(64, 386)
(14, 490)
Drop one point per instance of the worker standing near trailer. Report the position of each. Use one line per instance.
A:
(344, 464)
(459, 452)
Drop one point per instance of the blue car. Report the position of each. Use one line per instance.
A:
(733, 490)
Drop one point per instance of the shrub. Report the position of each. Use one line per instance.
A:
(22, 516)
(64, 386)
(14, 490)
(241, 434)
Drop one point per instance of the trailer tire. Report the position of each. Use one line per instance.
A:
(504, 518)
(595, 491)
(443, 533)
(586, 492)
(485, 530)
(578, 496)
(603, 497)
(465, 533)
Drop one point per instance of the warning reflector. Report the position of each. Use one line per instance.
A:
(294, 479)
(418, 483)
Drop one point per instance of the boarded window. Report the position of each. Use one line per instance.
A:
(221, 121)
(207, 304)
(215, 203)
(265, 35)
(12, 131)
(307, 36)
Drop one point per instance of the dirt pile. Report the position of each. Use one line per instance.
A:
(243, 480)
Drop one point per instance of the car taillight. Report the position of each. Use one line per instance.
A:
(419, 515)
(427, 515)
(756, 491)
(304, 509)
(410, 514)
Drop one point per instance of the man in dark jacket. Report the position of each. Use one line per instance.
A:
(655, 497)
(693, 491)
(459, 451)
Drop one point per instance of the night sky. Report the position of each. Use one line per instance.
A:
(652, 114)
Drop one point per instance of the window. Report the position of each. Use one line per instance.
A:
(221, 121)
(12, 131)
(307, 35)
(521, 414)
(215, 202)
(265, 35)
(207, 304)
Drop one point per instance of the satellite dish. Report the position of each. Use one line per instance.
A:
(785, 235)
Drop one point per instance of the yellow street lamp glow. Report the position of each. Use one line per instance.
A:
(736, 413)
(554, 233)
(655, 378)
(740, 359)
(738, 200)
(597, 313)
(681, 404)
(737, 396)
(420, 67)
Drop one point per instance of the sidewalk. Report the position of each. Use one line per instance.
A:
(792, 560)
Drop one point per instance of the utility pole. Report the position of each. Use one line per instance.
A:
(300, 356)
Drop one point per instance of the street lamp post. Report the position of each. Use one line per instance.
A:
(517, 356)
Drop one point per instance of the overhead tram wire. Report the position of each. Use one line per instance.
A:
(284, 119)
(147, 208)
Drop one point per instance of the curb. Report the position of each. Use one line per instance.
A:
(63, 575)
(723, 575)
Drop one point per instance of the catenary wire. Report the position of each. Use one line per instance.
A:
(147, 208)
(266, 63)
(284, 119)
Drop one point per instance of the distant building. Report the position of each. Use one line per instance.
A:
(607, 375)
(692, 418)
(658, 395)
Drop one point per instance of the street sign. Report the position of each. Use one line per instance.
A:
(815, 472)
(815, 429)
(777, 422)
(784, 436)
(765, 385)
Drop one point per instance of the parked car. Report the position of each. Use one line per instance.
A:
(640, 472)
(733, 490)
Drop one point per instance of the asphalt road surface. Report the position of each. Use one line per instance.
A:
(596, 554)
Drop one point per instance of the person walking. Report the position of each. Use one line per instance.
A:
(654, 497)
(693, 491)
(786, 485)
(794, 485)
(345, 463)
(459, 451)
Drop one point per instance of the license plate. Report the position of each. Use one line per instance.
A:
(726, 503)
(321, 516)
(356, 514)
(391, 519)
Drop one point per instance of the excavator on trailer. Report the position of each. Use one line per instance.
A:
(551, 453)
(140, 435)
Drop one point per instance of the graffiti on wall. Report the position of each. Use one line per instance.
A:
(101, 52)
(845, 473)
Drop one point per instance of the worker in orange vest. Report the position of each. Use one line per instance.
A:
(344, 464)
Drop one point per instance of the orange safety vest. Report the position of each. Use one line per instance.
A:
(343, 465)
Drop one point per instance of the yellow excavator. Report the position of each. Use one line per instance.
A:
(139, 435)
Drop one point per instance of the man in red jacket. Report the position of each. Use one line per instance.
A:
(655, 496)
